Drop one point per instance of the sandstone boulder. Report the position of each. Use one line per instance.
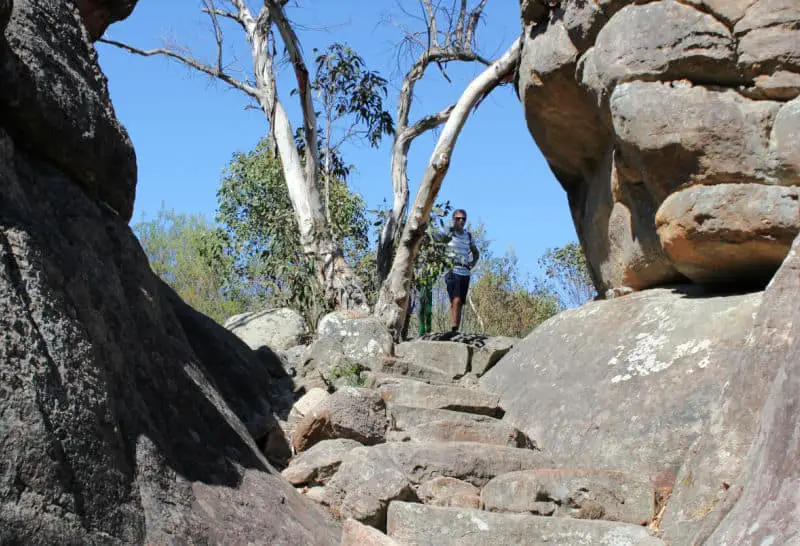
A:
(419, 524)
(624, 384)
(444, 491)
(274, 328)
(357, 414)
(452, 359)
(631, 101)
(320, 462)
(720, 473)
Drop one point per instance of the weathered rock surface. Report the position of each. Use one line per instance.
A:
(56, 103)
(407, 392)
(742, 240)
(449, 492)
(407, 417)
(719, 473)
(489, 353)
(357, 414)
(274, 328)
(459, 430)
(358, 534)
(367, 480)
(584, 494)
(419, 524)
(97, 15)
(633, 101)
(344, 340)
(625, 383)
(319, 463)
(452, 359)
(126, 416)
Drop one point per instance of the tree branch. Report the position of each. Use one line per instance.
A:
(474, 19)
(225, 14)
(303, 86)
(427, 123)
(188, 61)
(210, 10)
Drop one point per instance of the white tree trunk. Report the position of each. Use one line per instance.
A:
(394, 293)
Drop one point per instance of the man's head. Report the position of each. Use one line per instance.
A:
(459, 220)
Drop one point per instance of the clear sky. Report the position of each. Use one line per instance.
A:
(186, 127)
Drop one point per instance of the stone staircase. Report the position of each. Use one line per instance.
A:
(428, 460)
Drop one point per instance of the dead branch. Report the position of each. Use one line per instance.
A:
(188, 61)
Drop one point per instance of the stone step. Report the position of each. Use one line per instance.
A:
(319, 463)
(357, 534)
(406, 417)
(419, 524)
(408, 392)
(399, 367)
(452, 359)
(581, 493)
(446, 430)
(371, 477)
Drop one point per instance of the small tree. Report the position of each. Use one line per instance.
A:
(188, 253)
(566, 267)
(255, 211)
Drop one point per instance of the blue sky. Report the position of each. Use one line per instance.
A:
(186, 127)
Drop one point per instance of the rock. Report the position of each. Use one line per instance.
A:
(708, 137)
(5, 16)
(57, 104)
(305, 405)
(783, 140)
(664, 40)
(632, 101)
(97, 15)
(586, 494)
(494, 433)
(319, 463)
(357, 414)
(449, 492)
(407, 417)
(719, 469)
(357, 534)
(767, 37)
(487, 355)
(419, 524)
(316, 494)
(344, 342)
(624, 383)
(746, 239)
(390, 365)
(468, 461)
(274, 328)
(127, 416)
(451, 358)
(407, 392)
(366, 482)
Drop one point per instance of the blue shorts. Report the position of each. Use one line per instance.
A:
(457, 285)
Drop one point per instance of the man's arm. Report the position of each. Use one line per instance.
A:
(475, 254)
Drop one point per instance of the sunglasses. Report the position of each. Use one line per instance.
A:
(457, 218)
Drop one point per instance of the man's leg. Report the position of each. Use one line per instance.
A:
(455, 313)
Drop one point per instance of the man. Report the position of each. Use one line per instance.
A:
(464, 255)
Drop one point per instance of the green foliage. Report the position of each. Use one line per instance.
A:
(566, 267)
(350, 371)
(256, 214)
(347, 89)
(433, 260)
(188, 253)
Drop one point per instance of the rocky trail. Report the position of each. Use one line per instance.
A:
(429, 460)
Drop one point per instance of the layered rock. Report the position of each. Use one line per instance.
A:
(652, 114)
(126, 416)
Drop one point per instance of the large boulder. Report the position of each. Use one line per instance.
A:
(758, 407)
(56, 104)
(635, 102)
(126, 416)
(274, 328)
(624, 384)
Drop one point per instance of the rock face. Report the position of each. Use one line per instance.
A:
(765, 376)
(650, 114)
(625, 383)
(126, 417)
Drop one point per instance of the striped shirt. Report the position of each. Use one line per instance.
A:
(458, 250)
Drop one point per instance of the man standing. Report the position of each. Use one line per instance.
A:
(464, 255)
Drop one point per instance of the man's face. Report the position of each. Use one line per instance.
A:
(459, 219)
